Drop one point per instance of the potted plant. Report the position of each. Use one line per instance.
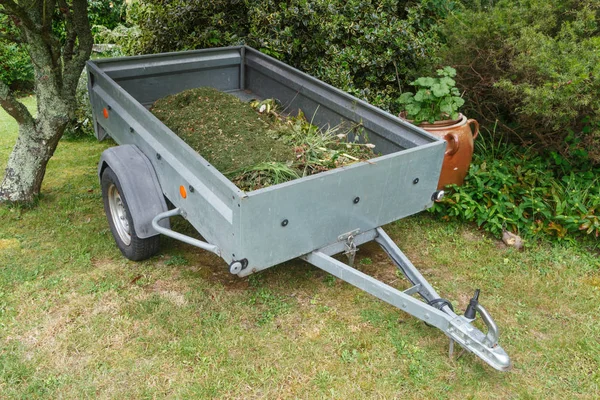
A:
(434, 107)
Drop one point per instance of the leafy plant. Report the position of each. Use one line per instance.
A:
(436, 98)
(526, 193)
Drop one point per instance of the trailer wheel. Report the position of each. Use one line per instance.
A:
(120, 221)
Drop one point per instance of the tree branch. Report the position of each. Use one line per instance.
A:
(14, 107)
(47, 14)
(85, 40)
(81, 25)
(20, 13)
(71, 34)
(46, 10)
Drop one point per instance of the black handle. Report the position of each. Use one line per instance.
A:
(471, 308)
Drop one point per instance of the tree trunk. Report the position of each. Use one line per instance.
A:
(57, 63)
(38, 137)
(27, 164)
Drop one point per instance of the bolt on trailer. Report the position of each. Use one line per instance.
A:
(153, 175)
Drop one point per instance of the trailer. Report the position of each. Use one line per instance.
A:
(153, 175)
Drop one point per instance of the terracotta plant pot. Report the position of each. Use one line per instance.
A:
(459, 135)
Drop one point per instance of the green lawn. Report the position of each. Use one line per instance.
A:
(78, 320)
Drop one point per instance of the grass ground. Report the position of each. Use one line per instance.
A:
(77, 320)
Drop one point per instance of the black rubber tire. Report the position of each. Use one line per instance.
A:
(138, 249)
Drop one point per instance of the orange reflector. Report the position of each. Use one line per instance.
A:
(182, 191)
(105, 112)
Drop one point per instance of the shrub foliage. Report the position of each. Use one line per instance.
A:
(370, 49)
(106, 13)
(523, 192)
(535, 64)
(15, 65)
(172, 25)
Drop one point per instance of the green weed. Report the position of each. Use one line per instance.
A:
(366, 261)
(176, 260)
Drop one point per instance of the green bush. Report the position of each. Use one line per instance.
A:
(370, 49)
(535, 65)
(126, 38)
(526, 193)
(106, 13)
(171, 25)
(15, 65)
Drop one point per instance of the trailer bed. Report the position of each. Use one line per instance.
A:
(250, 225)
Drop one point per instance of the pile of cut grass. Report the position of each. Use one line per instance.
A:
(254, 145)
(229, 133)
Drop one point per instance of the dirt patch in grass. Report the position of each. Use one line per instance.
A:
(6, 244)
(593, 281)
(213, 270)
(47, 336)
(371, 260)
(471, 236)
(170, 291)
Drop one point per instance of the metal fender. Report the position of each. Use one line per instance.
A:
(140, 185)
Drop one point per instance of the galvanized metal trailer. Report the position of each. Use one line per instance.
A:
(314, 217)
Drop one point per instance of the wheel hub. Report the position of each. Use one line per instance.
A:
(118, 214)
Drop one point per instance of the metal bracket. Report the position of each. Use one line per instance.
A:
(413, 289)
(347, 235)
(491, 339)
(350, 248)
(179, 236)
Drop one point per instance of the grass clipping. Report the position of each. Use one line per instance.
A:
(253, 144)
